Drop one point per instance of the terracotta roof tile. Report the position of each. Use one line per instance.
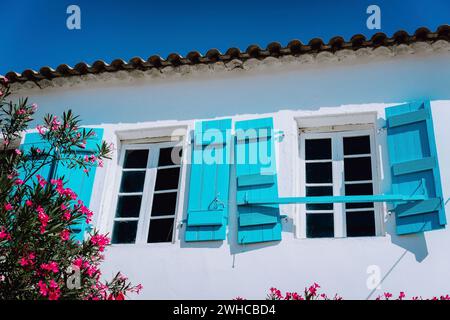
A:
(274, 49)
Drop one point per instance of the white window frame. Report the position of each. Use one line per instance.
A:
(338, 176)
(148, 190)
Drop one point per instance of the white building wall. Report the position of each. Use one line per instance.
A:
(417, 264)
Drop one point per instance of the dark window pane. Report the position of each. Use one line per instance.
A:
(160, 230)
(360, 224)
(132, 181)
(164, 204)
(128, 206)
(318, 149)
(358, 190)
(136, 159)
(319, 172)
(169, 156)
(124, 232)
(358, 169)
(167, 179)
(316, 192)
(320, 225)
(357, 145)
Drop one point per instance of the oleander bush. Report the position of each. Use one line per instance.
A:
(312, 293)
(39, 259)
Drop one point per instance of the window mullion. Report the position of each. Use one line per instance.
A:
(338, 185)
(147, 198)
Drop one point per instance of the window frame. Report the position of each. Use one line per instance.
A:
(148, 191)
(337, 158)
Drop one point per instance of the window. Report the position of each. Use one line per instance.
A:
(148, 193)
(337, 164)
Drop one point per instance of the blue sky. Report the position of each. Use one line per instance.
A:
(34, 32)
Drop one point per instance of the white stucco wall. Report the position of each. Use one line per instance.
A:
(416, 264)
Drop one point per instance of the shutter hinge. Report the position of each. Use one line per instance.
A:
(381, 129)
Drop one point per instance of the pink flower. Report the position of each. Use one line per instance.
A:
(41, 130)
(313, 289)
(21, 111)
(78, 262)
(54, 295)
(55, 124)
(43, 289)
(4, 234)
(29, 203)
(66, 215)
(387, 295)
(91, 270)
(18, 182)
(120, 296)
(41, 180)
(18, 152)
(43, 218)
(51, 266)
(101, 241)
(23, 262)
(402, 295)
(26, 261)
(65, 235)
(52, 284)
(34, 107)
(8, 207)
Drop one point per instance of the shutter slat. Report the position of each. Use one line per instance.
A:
(414, 166)
(255, 179)
(408, 118)
(419, 207)
(205, 218)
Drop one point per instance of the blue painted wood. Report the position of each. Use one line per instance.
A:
(75, 179)
(418, 207)
(209, 181)
(408, 118)
(205, 218)
(414, 166)
(331, 199)
(255, 156)
(34, 140)
(255, 179)
(411, 145)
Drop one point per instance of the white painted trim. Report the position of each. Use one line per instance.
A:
(338, 177)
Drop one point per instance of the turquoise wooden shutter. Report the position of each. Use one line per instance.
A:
(76, 179)
(80, 182)
(34, 140)
(207, 214)
(256, 179)
(414, 167)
